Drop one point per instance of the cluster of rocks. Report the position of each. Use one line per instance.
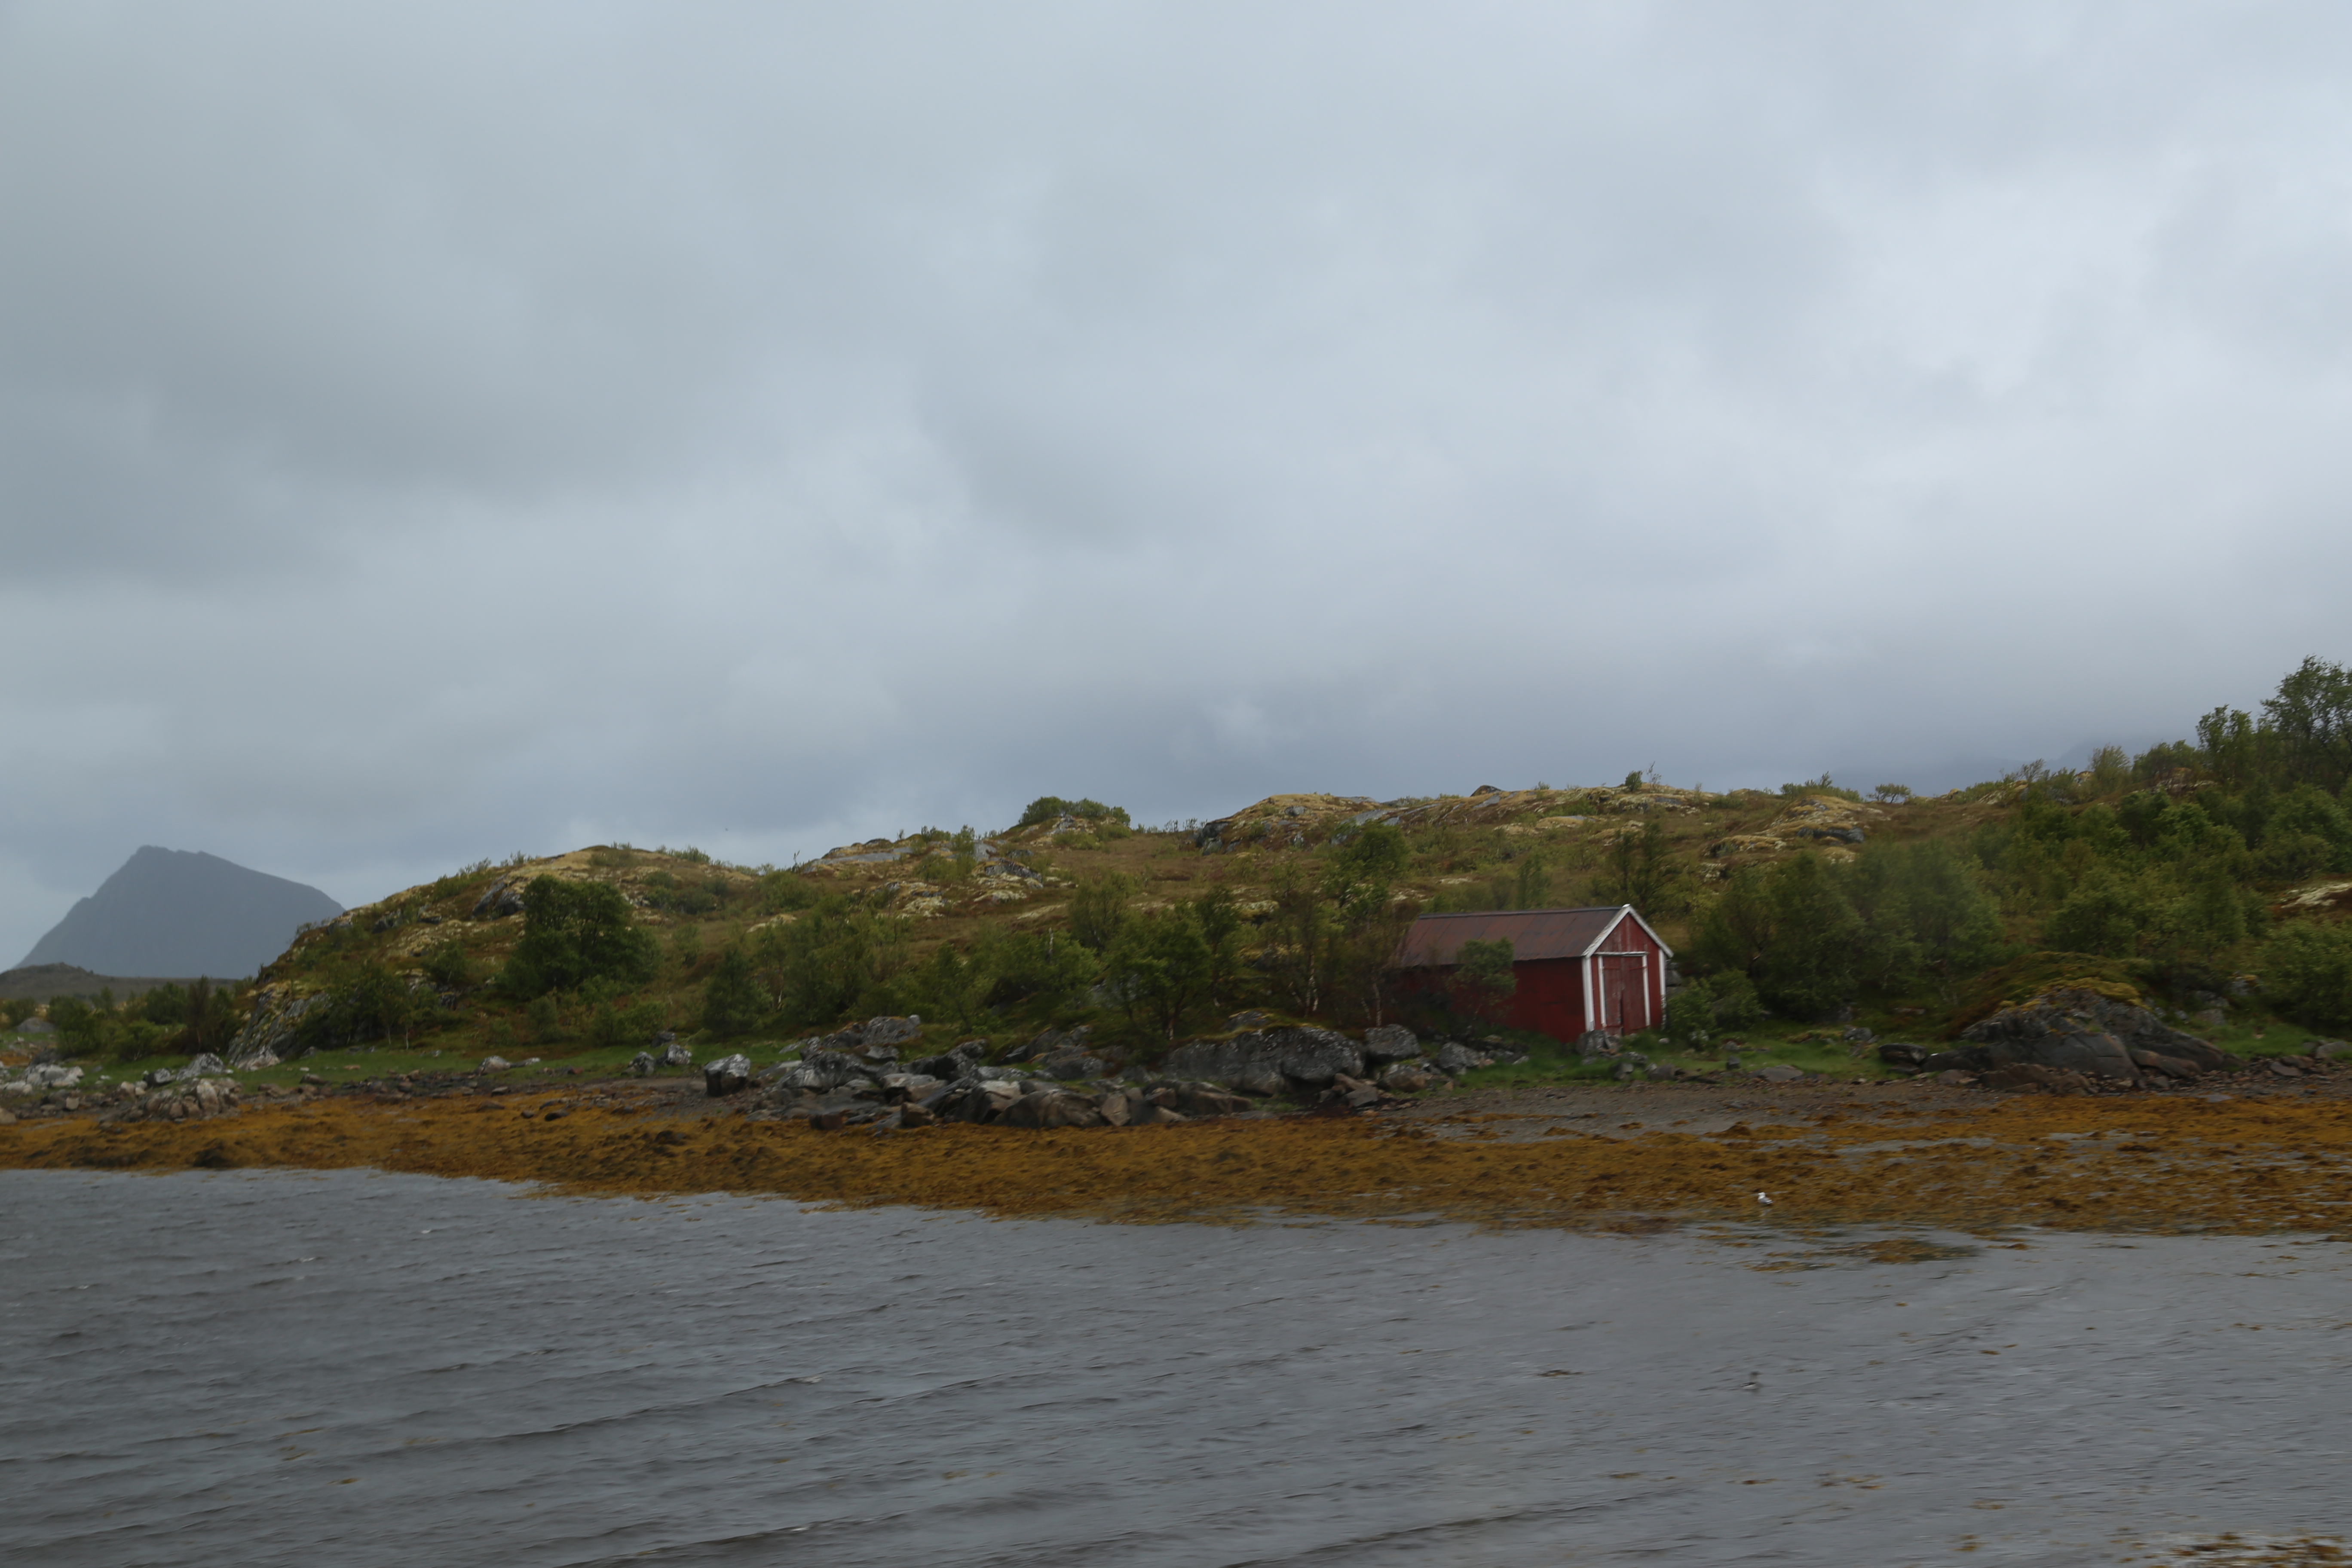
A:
(181, 1099)
(856, 1075)
(53, 1082)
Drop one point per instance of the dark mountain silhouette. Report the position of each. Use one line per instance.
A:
(170, 911)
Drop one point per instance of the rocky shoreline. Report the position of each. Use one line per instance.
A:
(2264, 1155)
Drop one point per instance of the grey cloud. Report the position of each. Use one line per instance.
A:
(431, 434)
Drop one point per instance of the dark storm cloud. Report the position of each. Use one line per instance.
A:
(432, 433)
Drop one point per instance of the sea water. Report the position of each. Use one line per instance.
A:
(353, 1368)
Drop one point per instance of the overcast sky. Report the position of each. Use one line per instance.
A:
(433, 431)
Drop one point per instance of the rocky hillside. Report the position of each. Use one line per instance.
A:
(997, 936)
(2211, 882)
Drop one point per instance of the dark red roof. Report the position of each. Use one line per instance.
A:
(1533, 933)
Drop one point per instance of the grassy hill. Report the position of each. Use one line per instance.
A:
(2207, 877)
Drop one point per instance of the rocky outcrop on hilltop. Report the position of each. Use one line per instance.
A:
(1831, 822)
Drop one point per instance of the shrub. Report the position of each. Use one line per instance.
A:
(1046, 807)
(2104, 915)
(448, 965)
(1690, 1015)
(363, 1002)
(612, 1025)
(167, 1004)
(785, 891)
(1035, 970)
(17, 1009)
(2307, 975)
(574, 932)
(1737, 1006)
(81, 1027)
(546, 1020)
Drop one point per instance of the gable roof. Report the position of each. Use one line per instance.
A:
(1434, 940)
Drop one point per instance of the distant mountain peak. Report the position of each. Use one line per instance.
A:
(181, 912)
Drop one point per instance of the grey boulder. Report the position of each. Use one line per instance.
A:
(1297, 1056)
(1197, 1099)
(1455, 1058)
(1408, 1077)
(727, 1075)
(2071, 1030)
(1390, 1042)
(1054, 1108)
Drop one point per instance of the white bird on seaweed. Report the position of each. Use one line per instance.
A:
(1764, 1198)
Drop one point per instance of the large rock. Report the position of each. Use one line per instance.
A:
(818, 1071)
(269, 1028)
(1057, 1042)
(962, 1061)
(1390, 1042)
(673, 1052)
(872, 1035)
(1054, 1108)
(205, 1065)
(1197, 1099)
(1299, 1058)
(1408, 1077)
(2076, 1031)
(1455, 1058)
(500, 898)
(727, 1075)
(974, 1099)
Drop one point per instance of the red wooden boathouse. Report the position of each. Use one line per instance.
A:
(1576, 969)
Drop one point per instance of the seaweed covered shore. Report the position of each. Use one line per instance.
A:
(1603, 1157)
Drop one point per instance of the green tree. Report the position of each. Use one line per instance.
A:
(2105, 915)
(1220, 925)
(732, 1002)
(1304, 951)
(1484, 977)
(832, 959)
(1159, 967)
(574, 933)
(1098, 909)
(2311, 716)
(1811, 970)
(1638, 870)
(1041, 971)
(953, 988)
